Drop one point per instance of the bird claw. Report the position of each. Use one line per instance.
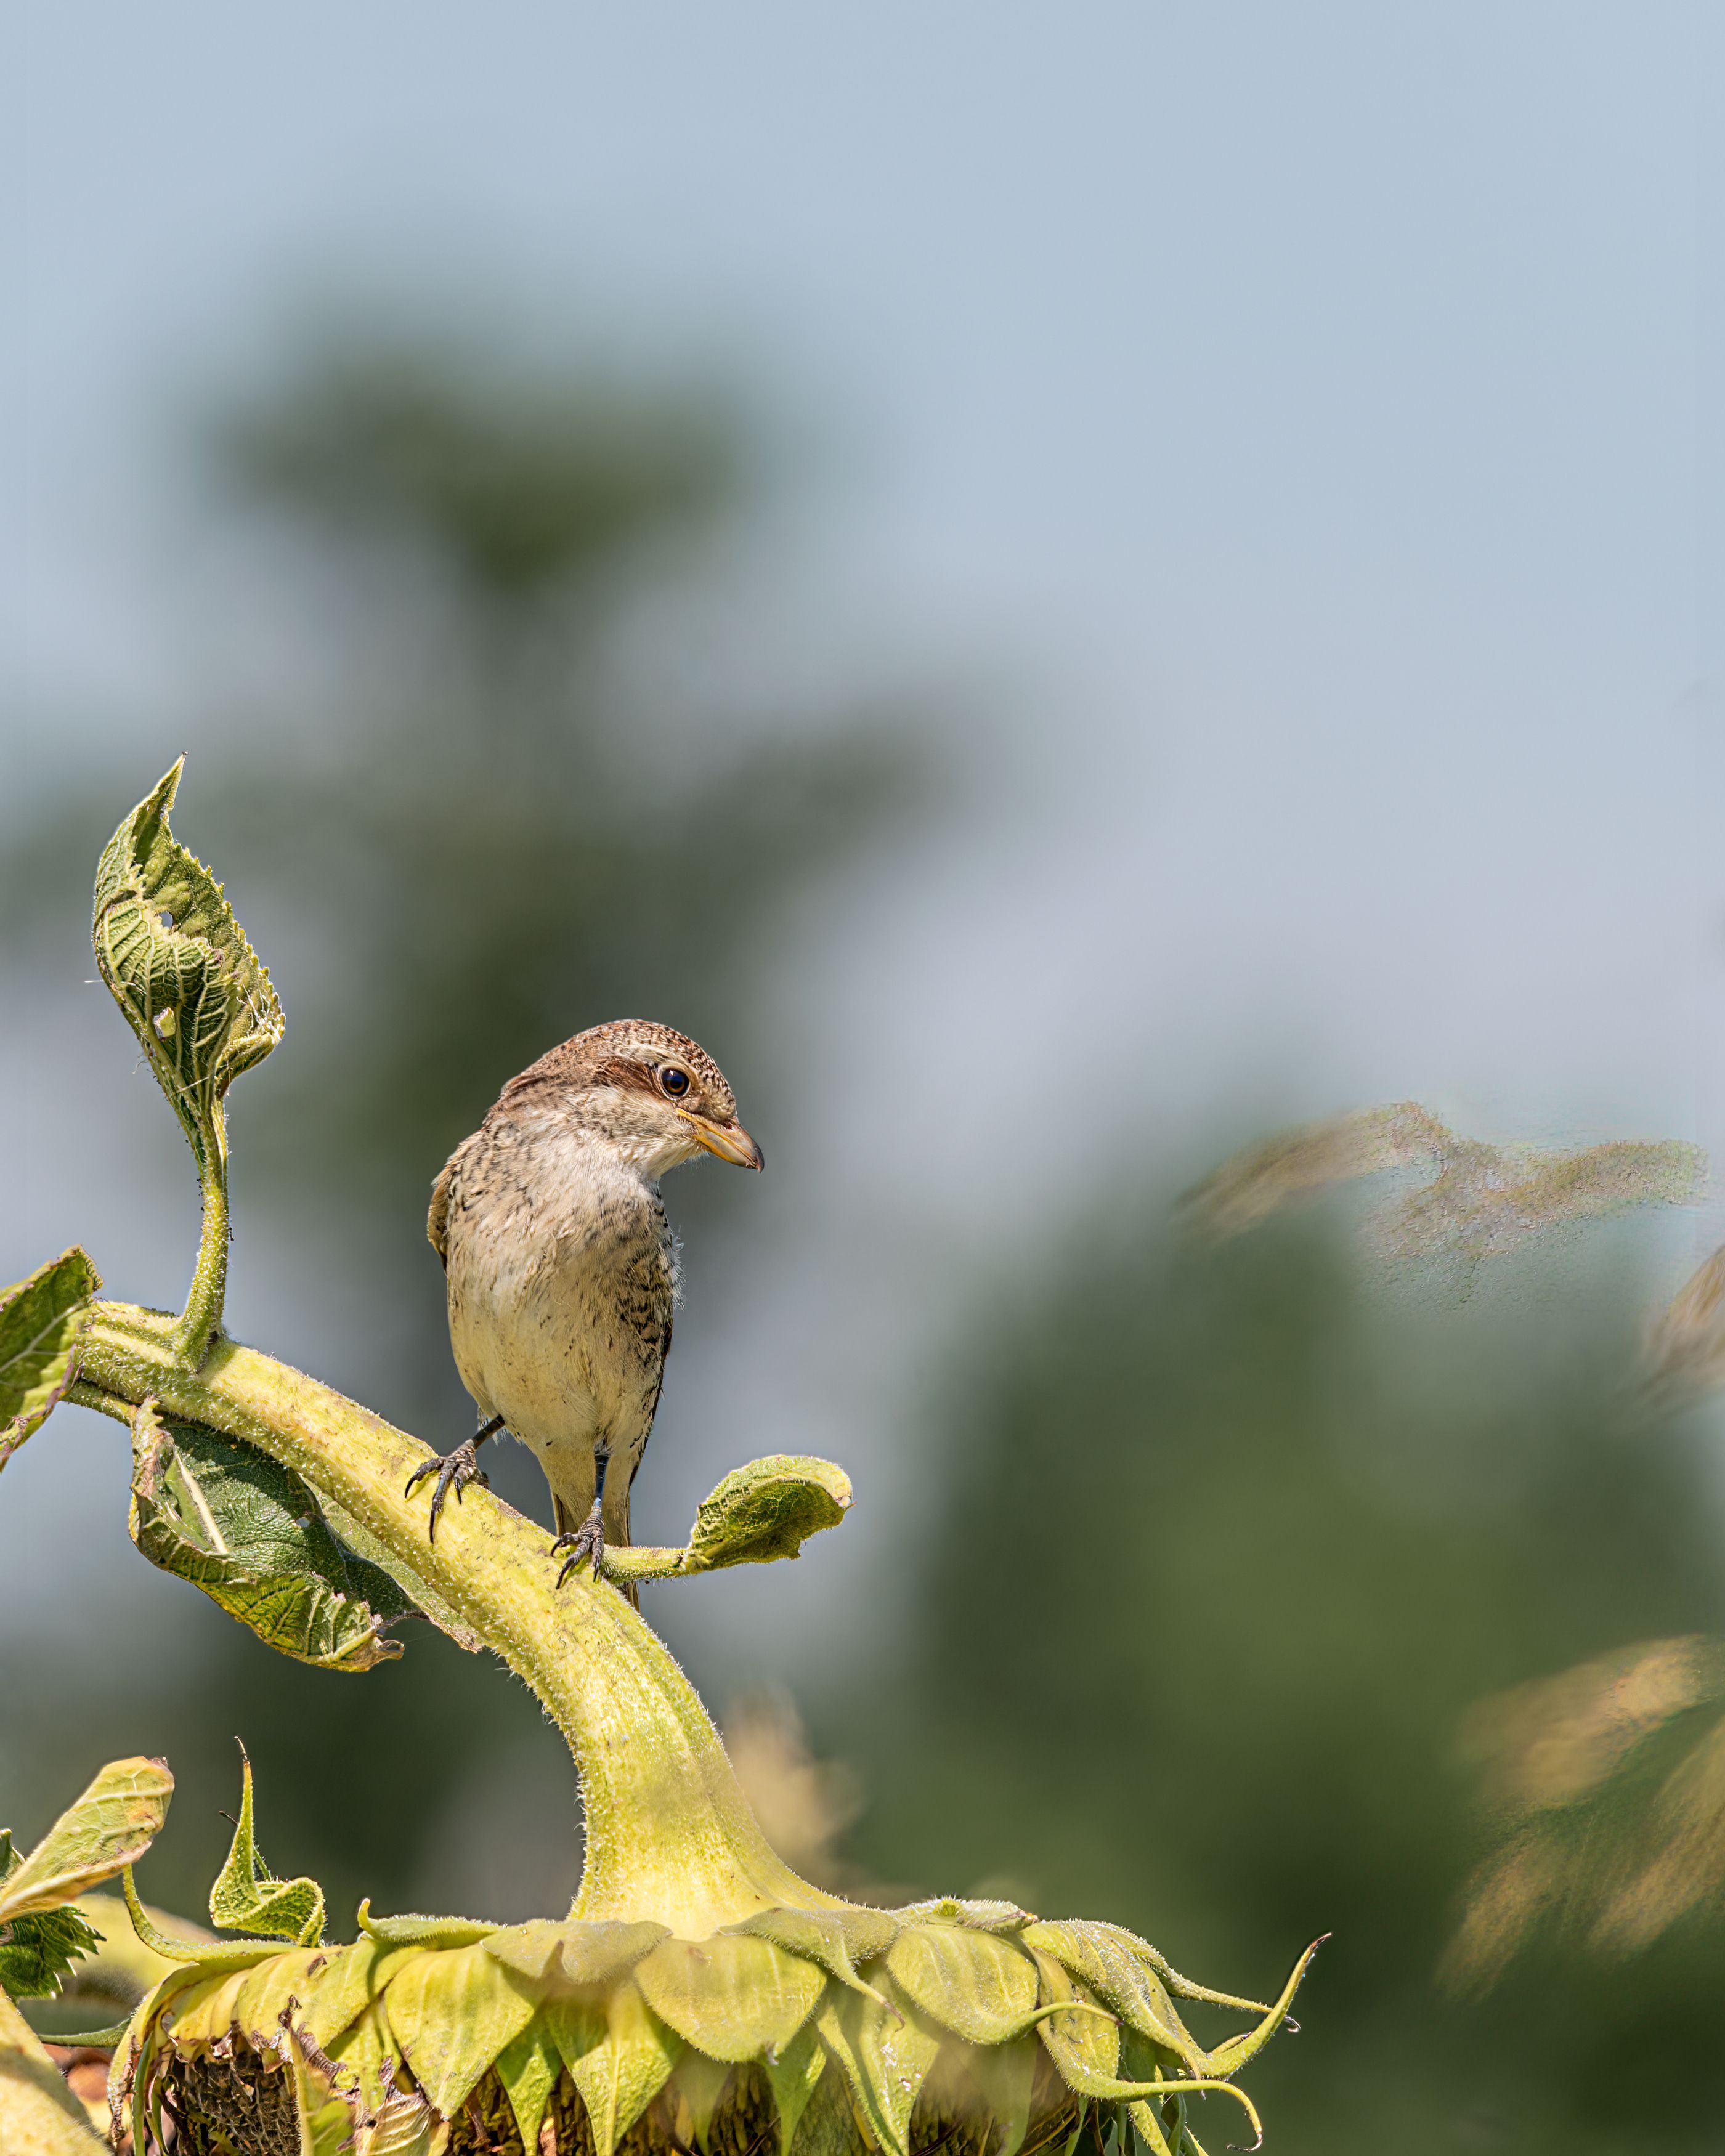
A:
(453, 1471)
(587, 1540)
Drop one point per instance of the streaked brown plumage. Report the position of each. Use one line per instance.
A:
(561, 1264)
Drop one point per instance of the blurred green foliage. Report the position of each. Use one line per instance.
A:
(488, 839)
(1216, 1545)
(1227, 1541)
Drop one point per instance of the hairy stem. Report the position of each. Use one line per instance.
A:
(201, 1317)
(669, 1835)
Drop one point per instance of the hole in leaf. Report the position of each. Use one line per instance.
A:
(164, 1023)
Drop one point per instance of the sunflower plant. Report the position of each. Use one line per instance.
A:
(698, 1996)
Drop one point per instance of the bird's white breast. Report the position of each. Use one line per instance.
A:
(554, 1240)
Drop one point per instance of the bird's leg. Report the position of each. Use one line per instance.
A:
(589, 1539)
(455, 1469)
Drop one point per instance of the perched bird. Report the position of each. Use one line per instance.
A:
(562, 1272)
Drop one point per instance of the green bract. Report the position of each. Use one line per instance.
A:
(699, 1996)
(562, 2035)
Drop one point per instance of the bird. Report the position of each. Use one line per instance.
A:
(562, 1269)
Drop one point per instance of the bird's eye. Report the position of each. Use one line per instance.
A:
(676, 1082)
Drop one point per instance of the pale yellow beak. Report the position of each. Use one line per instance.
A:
(733, 1144)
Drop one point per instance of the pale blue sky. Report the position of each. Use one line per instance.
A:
(1305, 413)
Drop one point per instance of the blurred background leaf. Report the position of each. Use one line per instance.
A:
(1327, 552)
(1227, 1541)
(491, 841)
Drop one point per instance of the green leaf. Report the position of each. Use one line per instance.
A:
(1085, 2047)
(694, 2091)
(619, 2076)
(887, 2052)
(423, 1931)
(1111, 1962)
(836, 1938)
(37, 1954)
(794, 2074)
(732, 1997)
(198, 1955)
(1006, 2075)
(982, 1988)
(453, 2013)
(766, 1511)
(247, 1896)
(39, 2116)
(577, 1952)
(222, 1514)
(528, 2069)
(40, 1320)
(179, 967)
(969, 1916)
(111, 1826)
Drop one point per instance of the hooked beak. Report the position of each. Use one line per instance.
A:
(733, 1143)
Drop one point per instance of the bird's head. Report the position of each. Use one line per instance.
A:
(648, 1090)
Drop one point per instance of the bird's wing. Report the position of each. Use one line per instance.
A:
(437, 1220)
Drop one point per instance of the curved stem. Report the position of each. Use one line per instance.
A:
(669, 1834)
(201, 1317)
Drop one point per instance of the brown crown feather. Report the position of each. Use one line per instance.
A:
(599, 1057)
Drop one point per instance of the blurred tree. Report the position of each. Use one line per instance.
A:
(1227, 1545)
(487, 838)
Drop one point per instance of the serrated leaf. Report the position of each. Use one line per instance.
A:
(767, 1511)
(37, 1954)
(981, 1987)
(453, 2013)
(248, 1533)
(732, 1997)
(178, 965)
(248, 1896)
(528, 2069)
(40, 1320)
(110, 1826)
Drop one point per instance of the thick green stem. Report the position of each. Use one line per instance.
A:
(669, 1835)
(201, 1317)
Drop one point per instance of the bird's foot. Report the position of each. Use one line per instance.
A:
(454, 1471)
(587, 1540)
